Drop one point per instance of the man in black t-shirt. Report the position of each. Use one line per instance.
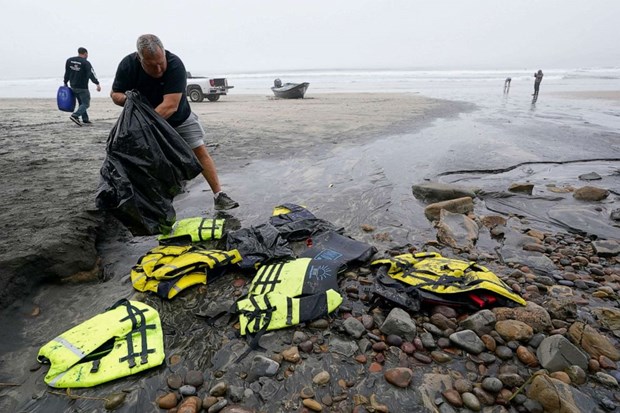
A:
(78, 71)
(161, 78)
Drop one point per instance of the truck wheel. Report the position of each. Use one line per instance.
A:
(196, 95)
(213, 98)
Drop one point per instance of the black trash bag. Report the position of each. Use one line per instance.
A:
(258, 245)
(299, 223)
(145, 166)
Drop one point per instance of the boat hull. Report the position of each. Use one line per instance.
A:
(291, 90)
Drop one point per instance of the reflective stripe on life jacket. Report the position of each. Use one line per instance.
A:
(124, 340)
(195, 230)
(271, 311)
(167, 270)
(434, 273)
(302, 276)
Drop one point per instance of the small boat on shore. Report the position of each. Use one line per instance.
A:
(289, 90)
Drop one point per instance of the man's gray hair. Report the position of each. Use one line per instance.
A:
(148, 43)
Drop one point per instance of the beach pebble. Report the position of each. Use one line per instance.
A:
(194, 378)
(216, 407)
(167, 401)
(219, 389)
(453, 397)
(114, 401)
(471, 401)
(174, 381)
(399, 376)
(321, 378)
(492, 384)
(291, 355)
(306, 393)
(313, 405)
(187, 390)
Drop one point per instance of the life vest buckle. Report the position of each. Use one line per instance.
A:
(95, 366)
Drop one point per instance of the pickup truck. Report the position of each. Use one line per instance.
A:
(199, 87)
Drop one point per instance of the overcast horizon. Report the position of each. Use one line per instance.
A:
(223, 37)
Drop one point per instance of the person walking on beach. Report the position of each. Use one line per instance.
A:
(537, 79)
(160, 77)
(78, 71)
(507, 84)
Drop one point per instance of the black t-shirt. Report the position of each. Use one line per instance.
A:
(130, 75)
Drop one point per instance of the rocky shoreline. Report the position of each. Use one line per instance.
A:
(559, 353)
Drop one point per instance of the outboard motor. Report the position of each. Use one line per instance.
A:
(277, 83)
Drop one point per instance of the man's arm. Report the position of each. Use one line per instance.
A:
(118, 98)
(169, 105)
(66, 78)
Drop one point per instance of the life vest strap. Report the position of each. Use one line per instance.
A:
(203, 226)
(264, 279)
(137, 327)
(256, 316)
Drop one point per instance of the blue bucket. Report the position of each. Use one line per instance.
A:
(65, 99)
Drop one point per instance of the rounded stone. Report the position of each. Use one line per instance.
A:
(313, 405)
(321, 378)
(503, 352)
(187, 390)
(471, 401)
(492, 384)
(399, 376)
(174, 381)
(306, 393)
(394, 340)
(194, 378)
(167, 401)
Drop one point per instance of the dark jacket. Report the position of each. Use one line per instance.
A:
(77, 72)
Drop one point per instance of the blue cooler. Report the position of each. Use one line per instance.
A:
(65, 99)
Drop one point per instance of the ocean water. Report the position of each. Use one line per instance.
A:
(460, 84)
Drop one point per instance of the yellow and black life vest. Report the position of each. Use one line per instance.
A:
(301, 276)
(124, 340)
(275, 310)
(288, 293)
(190, 230)
(167, 270)
(439, 275)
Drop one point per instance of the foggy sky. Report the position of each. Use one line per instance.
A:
(217, 38)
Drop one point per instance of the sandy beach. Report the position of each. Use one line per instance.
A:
(352, 159)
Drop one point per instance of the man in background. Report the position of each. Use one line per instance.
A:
(78, 71)
(160, 77)
(538, 76)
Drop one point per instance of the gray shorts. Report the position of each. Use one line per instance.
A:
(191, 131)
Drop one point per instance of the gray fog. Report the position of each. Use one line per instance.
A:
(236, 36)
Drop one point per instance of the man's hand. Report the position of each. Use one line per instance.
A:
(98, 88)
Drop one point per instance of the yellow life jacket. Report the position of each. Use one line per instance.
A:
(194, 230)
(275, 310)
(168, 270)
(434, 273)
(301, 276)
(124, 340)
(288, 293)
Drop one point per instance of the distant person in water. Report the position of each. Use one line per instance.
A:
(507, 84)
(537, 79)
(78, 71)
